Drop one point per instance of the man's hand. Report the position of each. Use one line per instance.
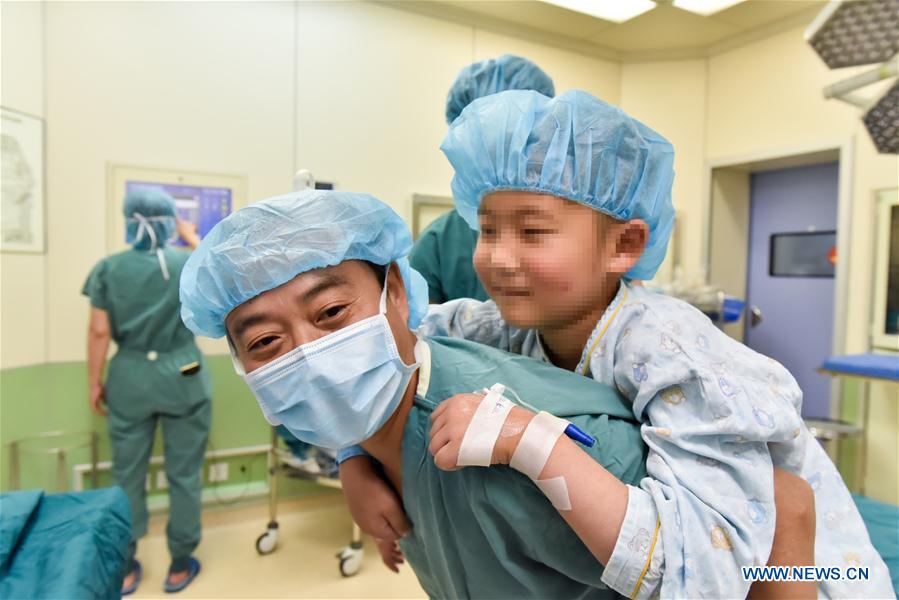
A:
(391, 554)
(373, 504)
(98, 399)
(450, 421)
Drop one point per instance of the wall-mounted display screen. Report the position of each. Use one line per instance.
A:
(805, 254)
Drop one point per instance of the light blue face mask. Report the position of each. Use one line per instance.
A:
(338, 390)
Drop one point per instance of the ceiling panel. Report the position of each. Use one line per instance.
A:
(664, 27)
(749, 15)
(539, 15)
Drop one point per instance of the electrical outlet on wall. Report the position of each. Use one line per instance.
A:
(218, 472)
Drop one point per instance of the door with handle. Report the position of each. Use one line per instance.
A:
(790, 287)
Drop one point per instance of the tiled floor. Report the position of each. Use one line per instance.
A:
(312, 530)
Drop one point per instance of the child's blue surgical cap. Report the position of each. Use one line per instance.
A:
(265, 245)
(574, 146)
(487, 77)
(157, 209)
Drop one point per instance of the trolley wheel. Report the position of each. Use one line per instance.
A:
(267, 542)
(350, 560)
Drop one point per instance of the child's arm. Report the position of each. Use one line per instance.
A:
(468, 319)
(373, 504)
(621, 525)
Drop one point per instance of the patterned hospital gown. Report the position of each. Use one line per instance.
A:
(717, 417)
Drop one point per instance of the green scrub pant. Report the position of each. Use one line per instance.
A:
(184, 441)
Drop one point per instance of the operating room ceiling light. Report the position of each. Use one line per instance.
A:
(705, 7)
(860, 32)
(617, 11)
(882, 122)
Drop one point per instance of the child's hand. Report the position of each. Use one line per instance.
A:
(373, 504)
(450, 421)
(390, 554)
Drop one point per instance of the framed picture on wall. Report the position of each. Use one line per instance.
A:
(426, 208)
(22, 198)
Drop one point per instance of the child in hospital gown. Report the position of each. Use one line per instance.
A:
(717, 417)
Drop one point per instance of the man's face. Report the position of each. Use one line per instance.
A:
(541, 258)
(313, 305)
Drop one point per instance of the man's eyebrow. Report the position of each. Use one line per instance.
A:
(246, 322)
(325, 282)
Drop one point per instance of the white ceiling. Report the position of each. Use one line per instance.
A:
(663, 32)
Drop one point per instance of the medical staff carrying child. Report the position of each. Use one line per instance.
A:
(572, 200)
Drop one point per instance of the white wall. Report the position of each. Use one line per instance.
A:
(373, 84)
(670, 97)
(22, 276)
(568, 70)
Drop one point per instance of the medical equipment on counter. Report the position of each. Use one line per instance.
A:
(710, 299)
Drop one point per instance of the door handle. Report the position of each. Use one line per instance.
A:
(755, 316)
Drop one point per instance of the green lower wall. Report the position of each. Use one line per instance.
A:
(53, 397)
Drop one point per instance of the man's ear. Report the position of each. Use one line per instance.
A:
(628, 239)
(396, 291)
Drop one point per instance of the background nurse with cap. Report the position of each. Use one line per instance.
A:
(443, 252)
(156, 376)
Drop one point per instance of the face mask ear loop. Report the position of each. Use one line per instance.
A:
(383, 305)
(238, 367)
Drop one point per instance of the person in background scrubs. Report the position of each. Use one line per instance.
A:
(443, 252)
(157, 376)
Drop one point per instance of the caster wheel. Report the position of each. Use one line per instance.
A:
(350, 561)
(267, 542)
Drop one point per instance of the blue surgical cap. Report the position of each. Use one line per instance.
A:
(487, 77)
(158, 208)
(265, 245)
(574, 146)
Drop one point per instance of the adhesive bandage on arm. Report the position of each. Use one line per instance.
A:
(484, 429)
(533, 452)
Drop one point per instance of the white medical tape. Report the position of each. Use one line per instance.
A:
(556, 490)
(537, 444)
(534, 449)
(483, 430)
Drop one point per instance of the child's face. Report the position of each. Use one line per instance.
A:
(547, 261)
(312, 305)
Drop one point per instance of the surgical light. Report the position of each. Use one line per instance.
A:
(860, 32)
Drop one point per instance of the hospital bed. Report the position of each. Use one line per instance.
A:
(72, 545)
(282, 463)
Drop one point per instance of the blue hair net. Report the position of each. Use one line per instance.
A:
(487, 77)
(574, 146)
(265, 245)
(156, 209)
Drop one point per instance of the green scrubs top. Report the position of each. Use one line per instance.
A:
(443, 254)
(145, 319)
(490, 532)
